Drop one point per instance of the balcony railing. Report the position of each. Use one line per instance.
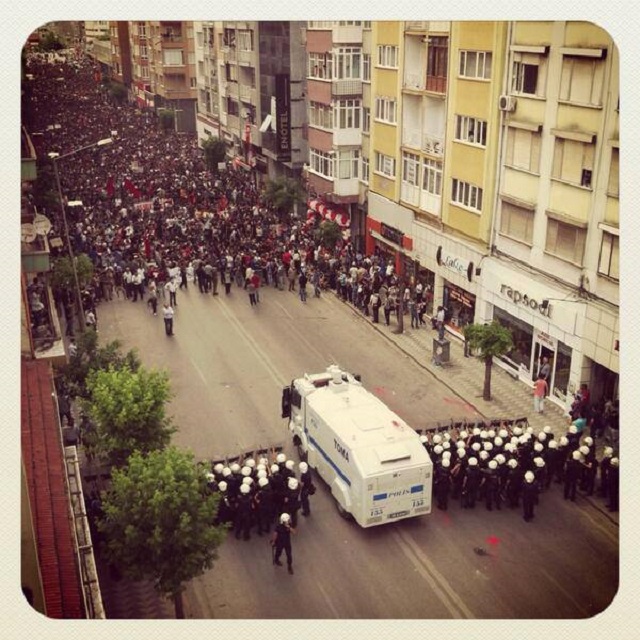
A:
(246, 57)
(346, 87)
(427, 142)
(414, 81)
(247, 94)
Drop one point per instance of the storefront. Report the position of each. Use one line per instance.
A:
(393, 246)
(460, 307)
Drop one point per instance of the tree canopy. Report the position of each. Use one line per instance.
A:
(328, 233)
(167, 118)
(491, 340)
(63, 277)
(282, 193)
(215, 151)
(128, 409)
(158, 521)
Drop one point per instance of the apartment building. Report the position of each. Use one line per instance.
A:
(95, 30)
(207, 77)
(338, 100)
(554, 276)
(121, 53)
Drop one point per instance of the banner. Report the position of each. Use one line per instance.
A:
(283, 118)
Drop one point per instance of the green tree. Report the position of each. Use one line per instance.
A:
(50, 42)
(215, 151)
(158, 521)
(63, 277)
(91, 357)
(282, 193)
(328, 233)
(128, 410)
(491, 340)
(118, 91)
(167, 118)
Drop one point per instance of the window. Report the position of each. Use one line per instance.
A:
(366, 119)
(319, 66)
(172, 57)
(347, 63)
(432, 176)
(471, 130)
(193, 82)
(609, 264)
(516, 222)
(581, 80)
(232, 107)
(613, 189)
(523, 149)
(437, 61)
(142, 29)
(411, 169)
(319, 24)
(386, 109)
(573, 162)
(320, 115)
(143, 51)
(388, 56)
(526, 74)
(347, 114)
(191, 58)
(366, 67)
(385, 165)
(245, 40)
(321, 162)
(466, 194)
(231, 72)
(348, 164)
(350, 23)
(565, 241)
(364, 170)
(475, 64)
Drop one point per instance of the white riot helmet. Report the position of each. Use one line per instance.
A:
(539, 462)
(446, 455)
(547, 430)
(461, 453)
(514, 440)
(498, 441)
(261, 474)
(289, 464)
(615, 462)
(235, 468)
(576, 455)
(608, 452)
(250, 462)
(538, 447)
(285, 518)
(552, 444)
(248, 481)
(508, 447)
(564, 441)
(275, 468)
(588, 441)
(484, 455)
(264, 461)
(493, 464)
(488, 446)
(573, 429)
(222, 486)
(491, 433)
(447, 436)
(476, 446)
(513, 463)
(476, 431)
(530, 430)
(503, 433)
(210, 477)
(244, 489)
(226, 472)
(446, 445)
(218, 467)
(473, 462)
(542, 436)
(281, 458)
(529, 477)
(464, 435)
(446, 463)
(304, 467)
(584, 450)
(261, 467)
(437, 449)
(460, 444)
(245, 471)
(483, 434)
(423, 439)
(500, 459)
(262, 482)
(437, 438)
(292, 483)
(517, 431)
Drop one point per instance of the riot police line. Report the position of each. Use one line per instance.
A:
(507, 463)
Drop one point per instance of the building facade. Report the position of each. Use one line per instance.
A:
(120, 53)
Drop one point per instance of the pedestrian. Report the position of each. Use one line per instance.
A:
(302, 282)
(90, 319)
(170, 288)
(540, 390)
(529, 496)
(251, 290)
(226, 278)
(440, 322)
(413, 313)
(152, 302)
(281, 541)
(167, 314)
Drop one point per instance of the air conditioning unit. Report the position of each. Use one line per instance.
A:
(507, 103)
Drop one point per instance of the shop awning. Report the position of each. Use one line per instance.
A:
(339, 217)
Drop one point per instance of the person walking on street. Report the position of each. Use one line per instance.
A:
(540, 390)
(281, 541)
(170, 287)
(572, 475)
(529, 496)
(167, 314)
(302, 281)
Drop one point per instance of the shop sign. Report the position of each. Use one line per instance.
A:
(460, 295)
(455, 264)
(283, 118)
(522, 298)
(390, 233)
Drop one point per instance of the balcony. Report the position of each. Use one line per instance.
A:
(414, 81)
(347, 137)
(346, 87)
(347, 34)
(232, 89)
(416, 25)
(346, 187)
(427, 142)
(229, 54)
(247, 58)
(247, 94)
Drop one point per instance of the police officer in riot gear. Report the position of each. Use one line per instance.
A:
(281, 541)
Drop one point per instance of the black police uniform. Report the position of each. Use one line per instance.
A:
(282, 542)
(244, 516)
(573, 470)
(529, 499)
(305, 486)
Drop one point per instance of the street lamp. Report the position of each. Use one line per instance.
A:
(56, 157)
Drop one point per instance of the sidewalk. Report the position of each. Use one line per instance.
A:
(465, 377)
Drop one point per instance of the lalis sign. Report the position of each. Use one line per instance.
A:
(455, 264)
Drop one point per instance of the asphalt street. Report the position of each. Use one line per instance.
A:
(228, 362)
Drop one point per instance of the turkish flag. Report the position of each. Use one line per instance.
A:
(131, 188)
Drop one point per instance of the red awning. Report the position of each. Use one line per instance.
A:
(339, 217)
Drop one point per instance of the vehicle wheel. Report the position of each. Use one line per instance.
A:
(343, 512)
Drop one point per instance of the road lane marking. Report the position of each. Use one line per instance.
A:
(432, 576)
(197, 368)
(328, 600)
(300, 335)
(587, 614)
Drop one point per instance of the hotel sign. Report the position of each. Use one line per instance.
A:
(283, 118)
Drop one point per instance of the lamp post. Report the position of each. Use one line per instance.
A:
(56, 158)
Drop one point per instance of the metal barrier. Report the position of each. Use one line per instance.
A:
(255, 453)
(468, 425)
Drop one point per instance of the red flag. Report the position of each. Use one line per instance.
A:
(131, 188)
(192, 197)
(110, 187)
(222, 203)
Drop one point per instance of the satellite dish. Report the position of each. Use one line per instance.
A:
(28, 232)
(42, 224)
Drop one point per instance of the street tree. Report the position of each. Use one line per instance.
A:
(128, 409)
(167, 118)
(491, 340)
(282, 193)
(215, 151)
(63, 277)
(92, 357)
(117, 91)
(328, 234)
(157, 521)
